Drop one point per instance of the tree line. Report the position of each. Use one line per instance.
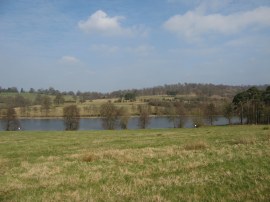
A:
(203, 91)
(169, 89)
(252, 106)
(111, 116)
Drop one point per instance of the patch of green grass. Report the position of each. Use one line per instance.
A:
(203, 164)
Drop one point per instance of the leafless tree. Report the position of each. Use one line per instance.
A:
(110, 115)
(210, 112)
(228, 111)
(176, 113)
(11, 121)
(124, 117)
(71, 116)
(144, 116)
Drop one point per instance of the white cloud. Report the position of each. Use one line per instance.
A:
(101, 23)
(70, 60)
(194, 24)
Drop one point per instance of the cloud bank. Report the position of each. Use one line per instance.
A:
(194, 24)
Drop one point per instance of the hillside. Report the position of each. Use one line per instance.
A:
(50, 102)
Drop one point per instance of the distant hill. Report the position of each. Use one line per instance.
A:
(50, 102)
(208, 90)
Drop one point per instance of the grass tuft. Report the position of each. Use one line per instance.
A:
(244, 141)
(266, 128)
(88, 158)
(198, 145)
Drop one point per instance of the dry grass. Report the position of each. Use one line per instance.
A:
(244, 141)
(88, 158)
(198, 145)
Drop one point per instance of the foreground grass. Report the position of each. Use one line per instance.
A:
(204, 164)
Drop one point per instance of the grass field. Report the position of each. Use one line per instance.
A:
(203, 164)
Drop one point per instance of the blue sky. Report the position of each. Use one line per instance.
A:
(106, 45)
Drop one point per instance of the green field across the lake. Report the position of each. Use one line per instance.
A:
(229, 163)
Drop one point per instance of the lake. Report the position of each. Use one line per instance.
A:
(96, 123)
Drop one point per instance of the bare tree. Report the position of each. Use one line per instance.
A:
(124, 117)
(197, 117)
(144, 116)
(110, 115)
(181, 114)
(46, 104)
(71, 116)
(171, 114)
(210, 113)
(176, 113)
(228, 112)
(11, 121)
(59, 99)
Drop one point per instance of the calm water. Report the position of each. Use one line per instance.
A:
(96, 123)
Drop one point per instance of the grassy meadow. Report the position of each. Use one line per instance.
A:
(229, 163)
